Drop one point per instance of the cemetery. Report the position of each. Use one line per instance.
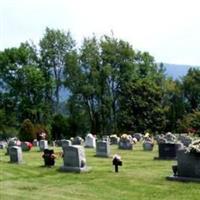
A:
(110, 172)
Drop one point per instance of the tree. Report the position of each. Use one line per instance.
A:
(173, 103)
(82, 78)
(191, 88)
(26, 132)
(28, 87)
(53, 48)
(191, 121)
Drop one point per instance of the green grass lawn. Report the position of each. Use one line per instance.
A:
(140, 178)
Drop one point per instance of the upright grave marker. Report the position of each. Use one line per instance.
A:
(74, 159)
(103, 149)
(15, 153)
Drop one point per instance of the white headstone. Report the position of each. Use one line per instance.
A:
(43, 144)
(90, 141)
(35, 143)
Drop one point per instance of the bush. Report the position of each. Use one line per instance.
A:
(41, 132)
(190, 123)
(26, 132)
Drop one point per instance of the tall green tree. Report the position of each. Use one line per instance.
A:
(191, 88)
(82, 78)
(53, 48)
(29, 87)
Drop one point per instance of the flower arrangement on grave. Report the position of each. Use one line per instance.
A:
(194, 147)
(126, 138)
(167, 138)
(148, 142)
(148, 139)
(26, 146)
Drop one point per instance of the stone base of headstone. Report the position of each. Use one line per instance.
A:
(164, 158)
(147, 146)
(75, 169)
(183, 179)
(89, 147)
(125, 145)
(103, 156)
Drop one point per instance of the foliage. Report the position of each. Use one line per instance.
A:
(26, 132)
(191, 88)
(54, 45)
(59, 127)
(110, 88)
(190, 121)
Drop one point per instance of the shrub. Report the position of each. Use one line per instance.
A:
(26, 132)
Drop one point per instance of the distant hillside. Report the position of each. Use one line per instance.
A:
(177, 71)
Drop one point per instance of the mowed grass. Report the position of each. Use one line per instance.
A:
(140, 178)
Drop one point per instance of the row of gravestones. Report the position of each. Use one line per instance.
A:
(73, 156)
(75, 160)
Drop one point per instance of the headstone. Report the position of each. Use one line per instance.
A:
(125, 145)
(35, 143)
(167, 151)
(103, 149)
(114, 139)
(74, 159)
(138, 136)
(77, 141)
(15, 153)
(188, 164)
(65, 143)
(106, 138)
(12, 142)
(126, 142)
(148, 146)
(90, 141)
(43, 144)
(53, 143)
(2, 145)
(58, 143)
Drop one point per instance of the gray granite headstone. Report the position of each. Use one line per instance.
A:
(11, 143)
(2, 145)
(15, 153)
(114, 139)
(77, 141)
(125, 144)
(138, 136)
(65, 143)
(103, 149)
(74, 159)
(188, 164)
(43, 144)
(148, 146)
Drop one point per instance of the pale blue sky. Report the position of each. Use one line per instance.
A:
(168, 29)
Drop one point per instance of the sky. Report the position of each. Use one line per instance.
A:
(168, 29)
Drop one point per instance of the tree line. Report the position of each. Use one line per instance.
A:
(109, 88)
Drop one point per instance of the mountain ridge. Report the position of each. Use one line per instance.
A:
(177, 71)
